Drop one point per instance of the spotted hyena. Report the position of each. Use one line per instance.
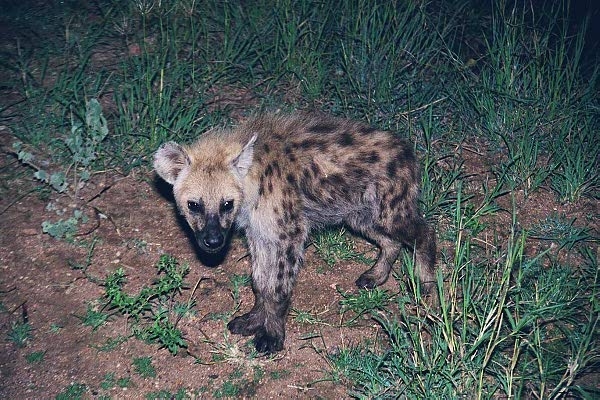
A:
(277, 177)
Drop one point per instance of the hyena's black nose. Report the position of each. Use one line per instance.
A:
(213, 240)
(210, 239)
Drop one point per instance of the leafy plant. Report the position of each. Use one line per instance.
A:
(151, 309)
(74, 391)
(143, 367)
(94, 318)
(35, 357)
(20, 333)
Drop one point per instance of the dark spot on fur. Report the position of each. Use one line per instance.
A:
(307, 189)
(283, 236)
(356, 173)
(395, 201)
(269, 170)
(346, 139)
(406, 155)
(261, 185)
(297, 231)
(392, 169)
(279, 288)
(314, 168)
(371, 157)
(322, 128)
(381, 229)
(333, 180)
(290, 254)
(277, 169)
(400, 225)
(312, 144)
(291, 179)
(270, 186)
(365, 130)
(267, 148)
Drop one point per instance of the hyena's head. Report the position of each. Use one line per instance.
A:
(207, 180)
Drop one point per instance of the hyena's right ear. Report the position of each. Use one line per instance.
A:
(243, 161)
(169, 160)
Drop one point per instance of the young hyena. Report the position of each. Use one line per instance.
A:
(279, 176)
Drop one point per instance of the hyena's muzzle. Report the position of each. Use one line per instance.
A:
(213, 236)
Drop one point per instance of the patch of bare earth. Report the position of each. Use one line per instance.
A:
(134, 224)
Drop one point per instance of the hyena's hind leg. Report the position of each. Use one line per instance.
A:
(389, 250)
(417, 236)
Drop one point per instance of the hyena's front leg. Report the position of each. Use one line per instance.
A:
(251, 322)
(274, 271)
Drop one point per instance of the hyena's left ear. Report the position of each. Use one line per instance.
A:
(169, 160)
(241, 164)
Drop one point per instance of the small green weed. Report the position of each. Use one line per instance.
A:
(366, 301)
(55, 328)
(307, 317)
(560, 229)
(65, 228)
(111, 343)
(20, 333)
(280, 374)
(83, 144)
(237, 282)
(152, 309)
(35, 357)
(143, 367)
(74, 391)
(228, 389)
(167, 395)
(110, 381)
(93, 317)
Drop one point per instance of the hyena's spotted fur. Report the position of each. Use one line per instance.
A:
(279, 176)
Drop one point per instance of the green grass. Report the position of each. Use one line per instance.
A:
(143, 367)
(500, 99)
(335, 245)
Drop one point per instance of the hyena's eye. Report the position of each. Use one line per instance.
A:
(226, 206)
(195, 207)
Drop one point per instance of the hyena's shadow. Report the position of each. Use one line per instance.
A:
(209, 260)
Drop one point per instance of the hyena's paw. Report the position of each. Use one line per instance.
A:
(367, 281)
(268, 343)
(246, 325)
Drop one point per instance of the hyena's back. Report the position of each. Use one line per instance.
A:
(337, 167)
